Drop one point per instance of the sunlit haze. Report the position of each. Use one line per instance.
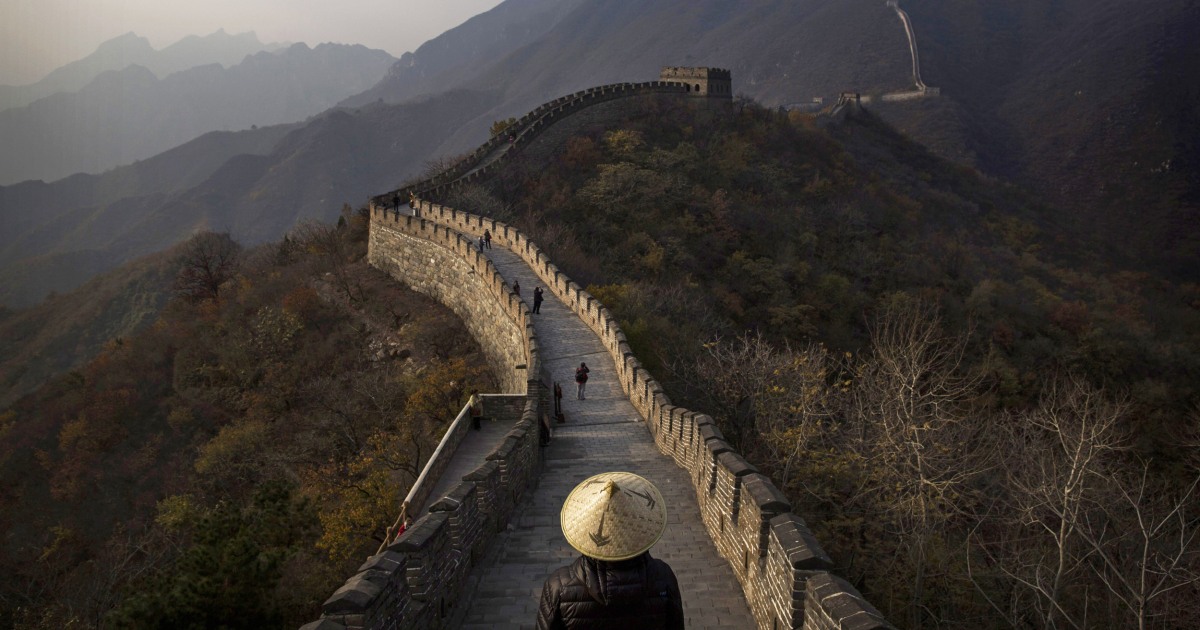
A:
(37, 36)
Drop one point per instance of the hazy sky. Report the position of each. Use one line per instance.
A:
(37, 36)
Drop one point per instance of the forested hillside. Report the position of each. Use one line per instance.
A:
(67, 330)
(236, 460)
(985, 423)
(1089, 103)
(255, 184)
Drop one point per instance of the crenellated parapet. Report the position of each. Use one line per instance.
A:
(414, 581)
(775, 556)
(488, 157)
(783, 572)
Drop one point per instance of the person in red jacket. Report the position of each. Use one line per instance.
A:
(612, 519)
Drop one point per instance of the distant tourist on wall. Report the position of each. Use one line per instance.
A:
(480, 243)
(558, 413)
(581, 376)
(612, 519)
(517, 287)
(475, 405)
(537, 299)
(487, 238)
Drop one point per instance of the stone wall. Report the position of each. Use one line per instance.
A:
(416, 581)
(482, 162)
(445, 266)
(775, 556)
(782, 569)
(505, 408)
(603, 115)
(418, 495)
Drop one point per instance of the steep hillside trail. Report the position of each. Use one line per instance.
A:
(602, 433)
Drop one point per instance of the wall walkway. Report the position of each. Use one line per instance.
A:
(483, 161)
(480, 554)
(602, 433)
(777, 564)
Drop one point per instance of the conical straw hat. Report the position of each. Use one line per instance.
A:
(614, 516)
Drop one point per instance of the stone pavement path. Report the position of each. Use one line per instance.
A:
(471, 452)
(602, 433)
(489, 158)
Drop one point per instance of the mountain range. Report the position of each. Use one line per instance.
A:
(129, 50)
(1088, 104)
(130, 114)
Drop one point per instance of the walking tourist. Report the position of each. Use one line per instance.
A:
(476, 409)
(612, 520)
(581, 377)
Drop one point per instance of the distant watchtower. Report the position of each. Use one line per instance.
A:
(701, 82)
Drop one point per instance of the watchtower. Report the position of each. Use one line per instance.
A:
(701, 82)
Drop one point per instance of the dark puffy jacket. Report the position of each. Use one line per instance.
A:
(630, 595)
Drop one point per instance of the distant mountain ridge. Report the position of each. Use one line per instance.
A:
(131, 49)
(458, 56)
(779, 52)
(1094, 104)
(256, 184)
(995, 111)
(130, 114)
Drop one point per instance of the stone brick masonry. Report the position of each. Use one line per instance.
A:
(773, 562)
(776, 564)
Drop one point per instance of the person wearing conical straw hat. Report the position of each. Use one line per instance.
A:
(612, 519)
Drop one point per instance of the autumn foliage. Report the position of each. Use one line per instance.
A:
(914, 353)
(242, 456)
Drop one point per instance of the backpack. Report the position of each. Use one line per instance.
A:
(580, 375)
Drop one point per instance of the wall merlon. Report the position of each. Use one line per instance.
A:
(387, 561)
(736, 464)
(419, 535)
(716, 447)
(708, 427)
(763, 493)
(833, 603)
(504, 450)
(355, 596)
(798, 544)
(461, 493)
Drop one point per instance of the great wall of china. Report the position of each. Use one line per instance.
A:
(423, 578)
(919, 91)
